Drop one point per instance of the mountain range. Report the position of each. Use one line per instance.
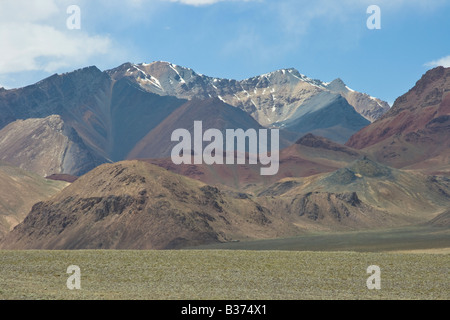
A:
(112, 115)
(347, 160)
(137, 205)
(268, 98)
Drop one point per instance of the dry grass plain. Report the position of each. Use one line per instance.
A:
(222, 274)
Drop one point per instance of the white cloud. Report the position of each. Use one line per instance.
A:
(444, 62)
(26, 11)
(34, 37)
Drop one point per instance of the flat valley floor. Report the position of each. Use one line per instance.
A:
(209, 274)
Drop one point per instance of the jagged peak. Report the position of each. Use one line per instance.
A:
(338, 80)
(284, 71)
(429, 77)
(93, 69)
(289, 73)
(337, 85)
(126, 64)
(162, 63)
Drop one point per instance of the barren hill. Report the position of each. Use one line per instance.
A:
(383, 195)
(135, 205)
(415, 132)
(19, 191)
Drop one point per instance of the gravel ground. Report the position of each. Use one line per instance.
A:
(222, 274)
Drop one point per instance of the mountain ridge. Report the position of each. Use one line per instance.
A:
(259, 96)
(415, 132)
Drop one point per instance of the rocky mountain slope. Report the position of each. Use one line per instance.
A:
(108, 116)
(383, 195)
(441, 221)
(81, 98)
(19, 191)
(415, 132)
(314, 117)
(369, 107)
(135, 205)
(46, 146)
(213, 113)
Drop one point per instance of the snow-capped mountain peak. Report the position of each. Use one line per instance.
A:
(271, 97)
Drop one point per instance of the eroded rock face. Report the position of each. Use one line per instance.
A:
(135, 205)
(46, 146)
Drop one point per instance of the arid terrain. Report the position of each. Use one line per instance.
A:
(222, 275)
(218, 153)
(391, 174)
(91, 183)
(19, 191)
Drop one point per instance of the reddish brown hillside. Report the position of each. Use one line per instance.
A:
(428, 100)
(416, 131)
(135, 205)
(310, 155)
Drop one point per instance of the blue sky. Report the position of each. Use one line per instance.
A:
(323, 39)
